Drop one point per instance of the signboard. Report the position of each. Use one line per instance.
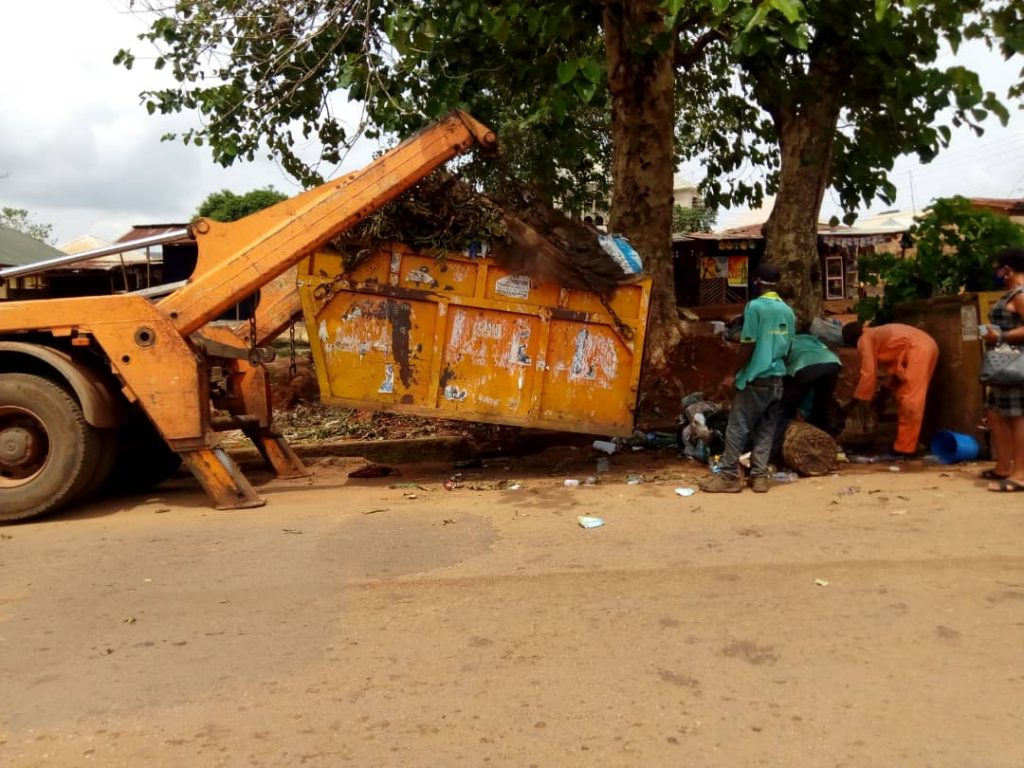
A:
(737, 270)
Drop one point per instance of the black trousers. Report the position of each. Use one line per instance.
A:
(820, 379)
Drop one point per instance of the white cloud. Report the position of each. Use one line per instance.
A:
(78, 149)
(81, 153)
(991, 165)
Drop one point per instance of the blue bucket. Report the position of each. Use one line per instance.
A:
(951, 447)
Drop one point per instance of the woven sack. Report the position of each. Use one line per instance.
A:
(808, 450)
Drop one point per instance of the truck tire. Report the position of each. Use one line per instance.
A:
(105, 463)
(48, 452)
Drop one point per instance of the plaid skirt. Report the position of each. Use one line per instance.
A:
(1006, 401)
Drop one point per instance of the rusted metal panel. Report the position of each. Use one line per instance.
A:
(462, 338)
(955, 396)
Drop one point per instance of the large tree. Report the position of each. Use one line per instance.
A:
(585, 94)
(581, 93)
(832, 99)
(226, 205)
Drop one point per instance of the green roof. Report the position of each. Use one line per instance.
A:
(17, 249)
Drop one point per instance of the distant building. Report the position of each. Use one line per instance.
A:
(103, 275)
(1012, 208)
(178, 260)
(712, 270)
(685, 194)
(18, 250)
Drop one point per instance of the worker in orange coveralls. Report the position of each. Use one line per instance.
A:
(909, 356)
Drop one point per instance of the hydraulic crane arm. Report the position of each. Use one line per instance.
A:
(171, 385)
(237, 258)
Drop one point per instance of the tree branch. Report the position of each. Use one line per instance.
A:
(685, 59)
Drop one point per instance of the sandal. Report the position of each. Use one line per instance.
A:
(1006, 485)
(991, 474)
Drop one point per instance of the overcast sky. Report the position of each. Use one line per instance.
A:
(79, 151)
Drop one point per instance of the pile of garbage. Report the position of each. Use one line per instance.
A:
(700, 432)
(701, 429)
(520, 230)
(440, 213)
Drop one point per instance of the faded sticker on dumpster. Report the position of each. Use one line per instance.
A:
(374, 327)
(513, 286)
(357, 338)
(594, 358)
(520, 344)
(473, 338)
(458, 394)
(496, 339)
(421, 277)
(387, 387)
(969, 323)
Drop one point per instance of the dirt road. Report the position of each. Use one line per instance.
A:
(866, 619)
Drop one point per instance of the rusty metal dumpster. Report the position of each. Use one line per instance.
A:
(955, 396)
(462, 338)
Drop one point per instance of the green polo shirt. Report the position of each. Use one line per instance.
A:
(808, 350)
(768, 324)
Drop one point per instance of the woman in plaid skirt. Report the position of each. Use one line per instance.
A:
(1005, 405)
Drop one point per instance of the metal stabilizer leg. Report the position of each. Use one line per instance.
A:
(221, 479)
(278, 454)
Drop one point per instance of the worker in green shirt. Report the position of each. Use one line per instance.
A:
(812, 369)
(812, 372)
(768, 329)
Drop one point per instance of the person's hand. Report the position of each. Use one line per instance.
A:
(729, 383)
(991, 336)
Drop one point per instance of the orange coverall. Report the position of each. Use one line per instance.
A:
(909, 355)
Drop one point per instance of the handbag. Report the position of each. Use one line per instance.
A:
(1003, 367)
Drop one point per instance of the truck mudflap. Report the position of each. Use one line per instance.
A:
(461, 338)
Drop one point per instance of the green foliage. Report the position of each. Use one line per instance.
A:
(955, 244)
(883, 58)
(535, 71)
(19, 219)
(276, 80)
(693, 219)
(227, 206)
(864, 80)
(269, 77)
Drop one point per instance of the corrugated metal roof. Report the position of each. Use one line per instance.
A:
(17, 249)
(139, 231)
(1014, 205)
(891, 223)
(749, 232)
(90, 243)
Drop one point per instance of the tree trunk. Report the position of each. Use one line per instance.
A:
(806, 138)
(643, 120)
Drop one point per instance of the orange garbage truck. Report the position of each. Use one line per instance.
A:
(121, 390)
(97, 386)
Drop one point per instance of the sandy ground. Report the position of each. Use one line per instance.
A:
(866, 619)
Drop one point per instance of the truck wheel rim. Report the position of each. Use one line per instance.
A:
(24, 446)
